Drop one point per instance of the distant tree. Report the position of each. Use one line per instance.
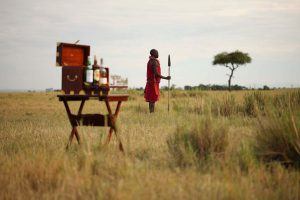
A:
(203, 87)
(173, 87)
(187, 87)
(238, 87)
(232, 61)
(139, 88)
(266, 87)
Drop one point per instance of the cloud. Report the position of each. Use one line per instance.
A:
(124, 31)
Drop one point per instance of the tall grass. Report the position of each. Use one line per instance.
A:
(207, 147)
(203, 140)
(278, 138)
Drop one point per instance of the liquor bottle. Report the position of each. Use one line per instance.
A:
(103, 74)
(89, 71)
(96, 69)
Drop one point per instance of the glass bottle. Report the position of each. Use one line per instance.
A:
(103, 74)
(89, 71)
(96, 69)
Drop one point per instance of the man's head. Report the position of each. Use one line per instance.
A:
(154, 53)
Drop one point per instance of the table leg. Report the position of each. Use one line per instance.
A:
(80, 108)
(108, 107)
(76, 134)
(70, 139)
(113, 118)
(73, 122)
(118, 108)
(120, 142)
(109, 136)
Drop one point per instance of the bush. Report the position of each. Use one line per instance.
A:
(245, 156)
(225, 107)
(260, 100)
(249, 105)
(205, 139)
(278, 139)
(266, 87)
(228, 106)
(290, 100)
(281, 102)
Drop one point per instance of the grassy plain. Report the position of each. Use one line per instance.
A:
(212, 145)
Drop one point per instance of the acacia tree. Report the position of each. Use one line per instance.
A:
(231, 61)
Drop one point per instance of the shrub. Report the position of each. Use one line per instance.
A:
(245, 156)
(215, 106)
(228, 106)
(205, 139)
(225, 107)
(249, 105)
(278, 139)
(297, 97)
(289, 100)
(260, 100)
(281, 102)
(199, 106)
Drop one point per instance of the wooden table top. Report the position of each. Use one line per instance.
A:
(79, 97)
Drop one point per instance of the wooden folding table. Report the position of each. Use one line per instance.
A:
(80, 119)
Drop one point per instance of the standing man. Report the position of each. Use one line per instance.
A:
(153, 80)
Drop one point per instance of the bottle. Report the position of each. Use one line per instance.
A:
(96, 69)
(103, 74)
(89, 71)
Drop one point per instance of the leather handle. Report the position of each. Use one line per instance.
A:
(72, 80)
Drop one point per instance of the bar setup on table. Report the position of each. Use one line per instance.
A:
(82, 81)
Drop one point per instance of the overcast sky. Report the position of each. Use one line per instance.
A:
(123, 32)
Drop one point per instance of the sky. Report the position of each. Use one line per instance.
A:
(123, 33)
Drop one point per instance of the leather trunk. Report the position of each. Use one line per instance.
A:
(72, 80)
(72, 55)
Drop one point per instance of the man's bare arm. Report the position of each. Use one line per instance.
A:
(154, 70)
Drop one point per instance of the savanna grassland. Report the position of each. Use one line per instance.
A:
(212, 145)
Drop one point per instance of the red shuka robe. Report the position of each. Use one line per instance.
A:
(152, 86)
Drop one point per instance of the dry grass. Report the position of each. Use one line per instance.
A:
(220, 148)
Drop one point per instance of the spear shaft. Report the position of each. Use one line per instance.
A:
(169, 65)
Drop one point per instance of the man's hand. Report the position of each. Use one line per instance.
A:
(168, 77)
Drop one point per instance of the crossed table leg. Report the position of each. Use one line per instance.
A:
(113, 118)
(96, 120)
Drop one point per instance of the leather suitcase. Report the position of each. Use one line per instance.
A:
(72, 55)
(72, 80)
(72, 58)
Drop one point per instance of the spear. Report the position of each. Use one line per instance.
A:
(169, 65)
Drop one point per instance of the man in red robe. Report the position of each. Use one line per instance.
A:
(153, 80)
